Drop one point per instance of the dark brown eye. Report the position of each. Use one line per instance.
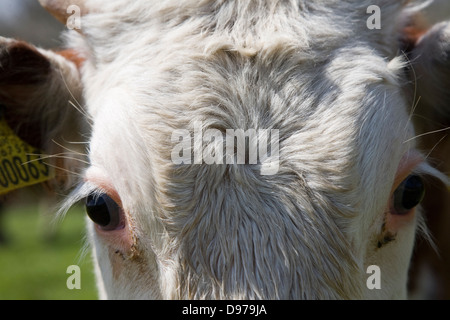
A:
(104, 212)
(408, 195)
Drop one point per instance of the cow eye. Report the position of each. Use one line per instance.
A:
(104, 212)
(408, 194)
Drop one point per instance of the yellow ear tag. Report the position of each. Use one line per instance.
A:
(20, 164)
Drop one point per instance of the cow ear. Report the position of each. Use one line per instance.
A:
(40, 94)
(430, 80)
(430, 74)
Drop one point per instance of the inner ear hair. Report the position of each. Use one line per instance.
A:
(22, 64)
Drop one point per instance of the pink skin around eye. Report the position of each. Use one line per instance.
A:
(121, 239)
(407, 164)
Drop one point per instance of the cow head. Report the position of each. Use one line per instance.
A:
(173, 214)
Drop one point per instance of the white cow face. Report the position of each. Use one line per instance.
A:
(325, 181)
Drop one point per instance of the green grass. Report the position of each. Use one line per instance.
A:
(34, 261)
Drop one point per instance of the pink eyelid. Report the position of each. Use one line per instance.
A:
(95, 177)
(408, 163)
(121, 239)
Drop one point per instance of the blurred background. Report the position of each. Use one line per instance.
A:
(36, 248)
(27, 20)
